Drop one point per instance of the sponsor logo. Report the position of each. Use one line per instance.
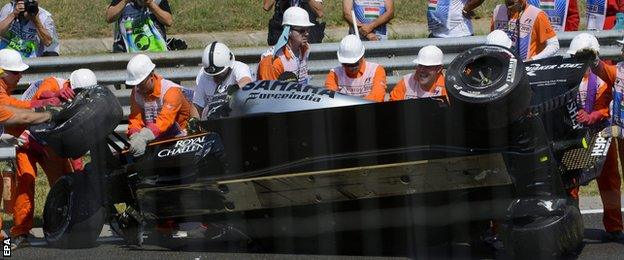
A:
(533, 68)
(601, 146)
(184, 146)
(286, 90)
(6, 247)
(572, 111)
(511, 75)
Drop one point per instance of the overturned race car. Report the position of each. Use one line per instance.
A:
(285, 160)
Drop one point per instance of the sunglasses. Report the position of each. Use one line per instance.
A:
(351, 65)
(301, 30)
(211, 70)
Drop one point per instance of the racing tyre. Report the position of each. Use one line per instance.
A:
(545, 238)
(88, 119)
(73, 215)
(489, 86)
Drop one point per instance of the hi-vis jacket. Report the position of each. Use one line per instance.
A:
(613, 75)
(271, 67)
(408, 88)
(165, 111)
(369, 82)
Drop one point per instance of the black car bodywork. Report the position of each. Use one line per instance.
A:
(507, 148)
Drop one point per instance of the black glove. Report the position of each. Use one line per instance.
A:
(192, 126)
(55, 111)
(587, 55)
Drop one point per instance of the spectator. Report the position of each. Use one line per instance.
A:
(532, 36)
(451, 18)
(601, 14)
(500, 38)
(158, 108)
(356, 76)
(220, 70)
(290, 54)
(315, 12)
(427, 79)
(28, 29)
(563, 14)
(140, 25)
(372, 17)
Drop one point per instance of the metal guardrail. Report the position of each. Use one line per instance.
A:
(182, 66)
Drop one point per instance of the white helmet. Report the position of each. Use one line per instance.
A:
(583, 41)
(500, 38)
(351, 49)
(82, 78)
(429, 55)
(296, 16)
(11, 60)
(139, 67)
(217, 58)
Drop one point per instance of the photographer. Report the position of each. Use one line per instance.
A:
(139, 24)
(29, 29)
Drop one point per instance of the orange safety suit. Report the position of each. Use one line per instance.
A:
(271, 67)
(609, 181)
(165, 111)
(368, 82)
(535, 29)
(52, 164)
(408, 88)
(5, 114)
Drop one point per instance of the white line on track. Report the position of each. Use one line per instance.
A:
(593, 211)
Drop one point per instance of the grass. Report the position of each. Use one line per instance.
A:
(75, 19)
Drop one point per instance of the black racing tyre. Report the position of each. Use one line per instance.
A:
(73, 214)
(489, 86)
(545, 238)
(88, 119)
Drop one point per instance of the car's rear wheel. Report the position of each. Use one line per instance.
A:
(73, 214)
(488, 84)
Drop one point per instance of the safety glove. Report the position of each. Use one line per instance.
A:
(611, 131)
(138, 141)
(28, 143)
(192, 126)
(588, 54)
(588, 118)
(67, 93)
(53, 101)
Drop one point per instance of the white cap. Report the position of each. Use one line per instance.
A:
(620, 41)
(11, 60)
(351, 49)
(217, 57)
(583, 41)
(498, 37)
(429, 55)
(139, 67)
(82, 78)
(296, 16)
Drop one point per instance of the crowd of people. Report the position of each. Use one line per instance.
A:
(160, 109)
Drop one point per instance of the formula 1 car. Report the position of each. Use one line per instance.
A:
(287, 160)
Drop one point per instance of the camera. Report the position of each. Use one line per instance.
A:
(31, 6)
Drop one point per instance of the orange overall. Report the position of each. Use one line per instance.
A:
(53, 166)
(609, 181)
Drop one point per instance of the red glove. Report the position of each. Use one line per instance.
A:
(45, 102)
(77, 164)
(49, 94)
(67, 93)
(594, 117)
(582, 117)
(26, 142)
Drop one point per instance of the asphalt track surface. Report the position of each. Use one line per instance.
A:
(115, 248)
